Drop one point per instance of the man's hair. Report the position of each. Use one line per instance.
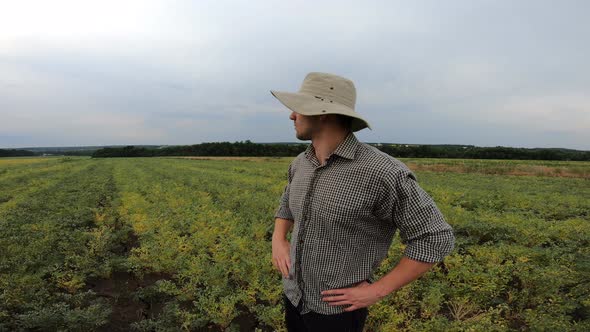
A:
(344, 121)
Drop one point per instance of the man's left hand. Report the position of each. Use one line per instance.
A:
(362, 295)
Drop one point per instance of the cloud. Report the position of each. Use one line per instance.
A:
(182, 72)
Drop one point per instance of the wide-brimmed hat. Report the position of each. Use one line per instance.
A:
(323, 93)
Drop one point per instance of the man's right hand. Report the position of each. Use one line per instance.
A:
(280, 255)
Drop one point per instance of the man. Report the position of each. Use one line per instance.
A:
(344, 202)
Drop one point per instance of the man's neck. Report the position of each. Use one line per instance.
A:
(325, 142)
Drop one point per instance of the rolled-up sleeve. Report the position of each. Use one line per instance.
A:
(283, 210)
(428, 237)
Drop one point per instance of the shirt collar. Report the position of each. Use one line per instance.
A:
(346, 149)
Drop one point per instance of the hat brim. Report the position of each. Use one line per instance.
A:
(309, 105)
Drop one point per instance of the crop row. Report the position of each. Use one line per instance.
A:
(52, 242)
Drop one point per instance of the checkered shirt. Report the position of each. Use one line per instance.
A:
(345, 215)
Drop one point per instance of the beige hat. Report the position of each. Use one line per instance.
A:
(323, 93)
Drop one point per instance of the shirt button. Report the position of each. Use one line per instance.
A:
(301, 241)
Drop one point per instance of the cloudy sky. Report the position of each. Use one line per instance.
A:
(487, 73)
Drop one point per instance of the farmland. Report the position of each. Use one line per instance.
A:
(166, 244)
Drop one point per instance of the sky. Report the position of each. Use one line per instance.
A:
(125, 72)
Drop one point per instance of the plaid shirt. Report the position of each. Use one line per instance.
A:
(345, 215)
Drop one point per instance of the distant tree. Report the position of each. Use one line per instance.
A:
(16, 153)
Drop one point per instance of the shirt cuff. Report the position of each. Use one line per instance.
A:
(431, 249)
(283, 212)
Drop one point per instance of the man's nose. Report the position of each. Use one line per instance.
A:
(292, 116)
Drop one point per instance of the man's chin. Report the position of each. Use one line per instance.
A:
(302, 137)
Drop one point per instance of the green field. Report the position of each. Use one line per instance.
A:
(169, 244)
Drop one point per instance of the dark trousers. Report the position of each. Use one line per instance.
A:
(352, 321)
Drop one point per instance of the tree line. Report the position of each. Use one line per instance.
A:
(250, 149)
(475, 152)
(245, 149)
(16, 153)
